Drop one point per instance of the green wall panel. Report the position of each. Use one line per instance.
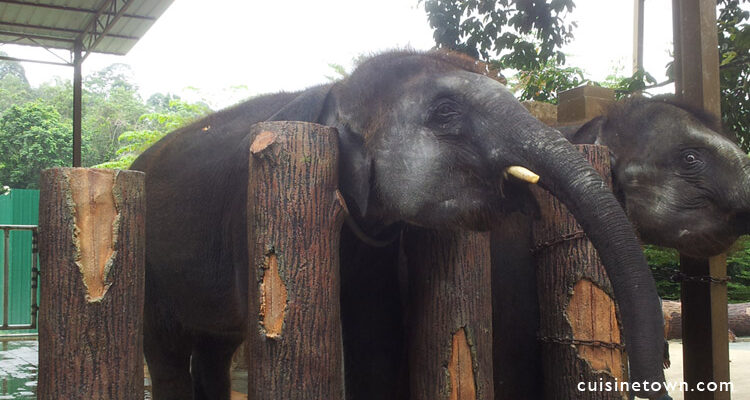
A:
(20, 207)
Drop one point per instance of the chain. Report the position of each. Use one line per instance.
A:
(680, 277)
(591, 343)
(564, 238)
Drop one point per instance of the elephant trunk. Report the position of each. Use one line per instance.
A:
(567, 175)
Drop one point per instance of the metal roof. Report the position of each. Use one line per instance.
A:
(99, 26)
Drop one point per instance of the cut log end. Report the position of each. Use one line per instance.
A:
(273, 298)
(96, 220)
(262, 141)
(461, 369)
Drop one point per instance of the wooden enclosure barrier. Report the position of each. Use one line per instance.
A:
(294, 218)
(579, 328)
(450, 315)
(91, 226)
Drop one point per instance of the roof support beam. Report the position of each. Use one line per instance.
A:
(63, 30)
(638, 8)
(77, 103)
(4, 58)
(33, 36)
(107, 15)
(72, 9)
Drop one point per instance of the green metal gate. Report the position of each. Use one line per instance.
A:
(20, 207)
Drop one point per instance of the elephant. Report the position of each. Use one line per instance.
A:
(425, 138)
(683, 184)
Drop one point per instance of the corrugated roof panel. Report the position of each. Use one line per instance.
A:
(54, 26)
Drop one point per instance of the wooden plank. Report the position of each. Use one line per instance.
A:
(705, 343)
(704, 305)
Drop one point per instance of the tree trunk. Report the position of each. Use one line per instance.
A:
(91, 311)
(579, 329)
(450, 315)
(294, 220)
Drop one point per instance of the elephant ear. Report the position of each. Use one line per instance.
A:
(590, 132)
(308, 106)
(353, 159)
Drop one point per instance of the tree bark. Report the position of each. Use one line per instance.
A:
(294, 219)
(91, 311)
(579, 328)
(450, 315)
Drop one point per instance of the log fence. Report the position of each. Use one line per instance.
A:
(92, 225)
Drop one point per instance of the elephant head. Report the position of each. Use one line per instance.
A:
(682, 183)
(427, 139)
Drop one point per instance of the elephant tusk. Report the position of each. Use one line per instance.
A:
(522, 174)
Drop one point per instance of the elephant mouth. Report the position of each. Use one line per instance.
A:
(696, 243)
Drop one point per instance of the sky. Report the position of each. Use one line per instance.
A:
(225, 50)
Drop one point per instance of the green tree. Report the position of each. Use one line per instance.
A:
(153, 126)
(734, 49)
(32, 138)
(112, 106)
(14, 87)
(519, 34)
(543, 84)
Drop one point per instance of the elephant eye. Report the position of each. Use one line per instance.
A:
(445, 112)
(691, 159)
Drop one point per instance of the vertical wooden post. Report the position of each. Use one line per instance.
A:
(450, 315)
(705, 342)
(579, 330)
(638, 30)
(91, 227)
(294, 219)
(704, 296)
(77, 102)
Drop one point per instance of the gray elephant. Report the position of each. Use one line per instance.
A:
(424, 139)
(683, 185)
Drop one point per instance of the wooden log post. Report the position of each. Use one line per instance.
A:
(91, 227)
(294, 220)
(450, 315)
(704, 289)
(579, 327)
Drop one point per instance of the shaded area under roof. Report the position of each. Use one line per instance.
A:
(98, 26)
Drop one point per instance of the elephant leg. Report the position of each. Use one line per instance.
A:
(372, 325)
(168, 357)
(210, 366)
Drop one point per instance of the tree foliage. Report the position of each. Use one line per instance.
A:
(518, 34)
(153, 126)
(734, 49)
(32, 138)
(117, 124)
(543, 84)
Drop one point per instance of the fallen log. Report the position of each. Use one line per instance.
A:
(739, 319)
